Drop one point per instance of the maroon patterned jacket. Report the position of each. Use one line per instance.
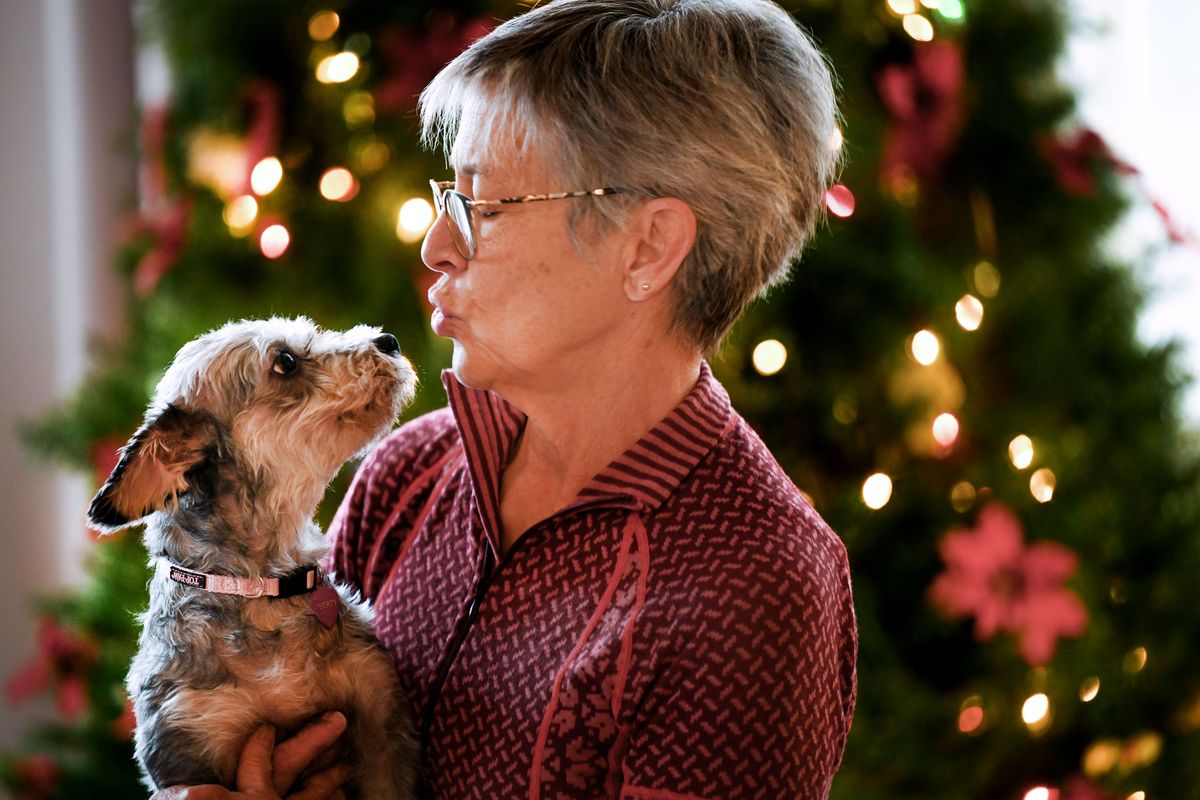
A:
(683, 629)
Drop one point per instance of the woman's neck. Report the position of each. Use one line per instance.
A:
(581, 426)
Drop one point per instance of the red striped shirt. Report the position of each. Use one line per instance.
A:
(682, 629)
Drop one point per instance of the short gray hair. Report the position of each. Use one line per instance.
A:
(725, 104)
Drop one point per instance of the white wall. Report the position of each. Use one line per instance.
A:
(1138, 67)
(66, 87)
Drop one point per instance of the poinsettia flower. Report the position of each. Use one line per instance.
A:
(62, 657)
(993, 576)
(925, 102)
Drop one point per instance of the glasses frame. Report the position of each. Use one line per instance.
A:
(465, 241)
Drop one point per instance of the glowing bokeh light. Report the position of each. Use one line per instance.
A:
(903, 7)
(962, 496)
(837, 139)
(240, 213)
(987, 279)
(266, 175)
(1089, 689)
(338, 184)
(839, 200)
(1138, 795)
(877, 491)
(358, 109)
(918, 28)
(1035, 712)
(338, 68)
(945, 429)
(1020, 451)
(969, 312)
(951, 9)
(931, 4)
(769, 357)
(970, 717)
(1135, 660)
(323, 25)
(274, 240)
(1041, 485)
(1037, 793)
(416, 215)
(924, 346)
(1101, 757)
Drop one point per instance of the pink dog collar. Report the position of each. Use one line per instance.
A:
(298, 581)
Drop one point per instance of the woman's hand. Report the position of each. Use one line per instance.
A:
(267, 772)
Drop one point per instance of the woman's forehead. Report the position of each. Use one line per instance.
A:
(491, 142)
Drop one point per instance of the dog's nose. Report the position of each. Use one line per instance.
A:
(387, 344)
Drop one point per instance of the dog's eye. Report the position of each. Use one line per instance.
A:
(285, 364)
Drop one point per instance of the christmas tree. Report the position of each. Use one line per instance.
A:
(952, 376)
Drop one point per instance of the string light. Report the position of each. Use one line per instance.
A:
(240, 213)
(338, 184)
(1020, 451)
(877, 491)
(338, 68)
(839, 200)
(836, 139)
(323, 25)
(1089, 689)
(1035, 712)
(969, 312)
(945, 430)
(266, 175)
(962, 497)
(1135, 660)
(769, 357)
(416, 215)
(1101, 757)
(1041, 485)
(987, 279)
(970, 717)
(924, 346)
(359, 109)
(918, 27)
(274, 240)
(951, 9)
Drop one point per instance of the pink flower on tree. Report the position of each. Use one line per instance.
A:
(1005, 585)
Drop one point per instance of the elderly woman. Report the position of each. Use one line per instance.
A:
(594, 578)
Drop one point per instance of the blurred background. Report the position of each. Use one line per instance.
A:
(979, 373)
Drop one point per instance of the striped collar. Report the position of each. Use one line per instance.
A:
(641, 478)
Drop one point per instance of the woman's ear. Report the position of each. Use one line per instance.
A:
(152, 469)
(665, 231)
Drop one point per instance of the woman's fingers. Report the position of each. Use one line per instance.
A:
(296, 753)
(325, 785)
(205, 792)
(254, 767)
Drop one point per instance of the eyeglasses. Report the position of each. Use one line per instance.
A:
(456, 207)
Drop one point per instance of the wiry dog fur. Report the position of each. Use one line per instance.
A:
(245, 430)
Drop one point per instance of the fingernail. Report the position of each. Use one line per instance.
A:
(334, 716)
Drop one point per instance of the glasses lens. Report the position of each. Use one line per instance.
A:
(459, 217)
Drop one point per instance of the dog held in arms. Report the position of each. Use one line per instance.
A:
(246, 429)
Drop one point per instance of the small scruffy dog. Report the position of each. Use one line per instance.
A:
(246, 429)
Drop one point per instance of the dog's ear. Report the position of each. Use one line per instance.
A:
(152, 468)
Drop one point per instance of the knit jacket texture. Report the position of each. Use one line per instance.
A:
(683, 629)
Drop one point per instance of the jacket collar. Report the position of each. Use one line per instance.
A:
(641, 478)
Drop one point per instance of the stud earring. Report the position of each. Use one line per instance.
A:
(645, 287)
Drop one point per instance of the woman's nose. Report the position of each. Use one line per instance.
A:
(438, 250)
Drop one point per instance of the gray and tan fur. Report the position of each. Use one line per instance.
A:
(246, 429)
